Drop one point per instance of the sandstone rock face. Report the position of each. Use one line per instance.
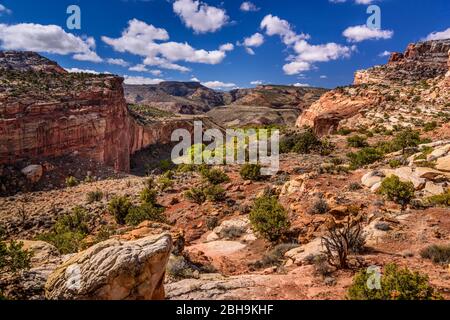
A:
(94, 123)
(48, 118)
(326, 114)
(382, 88)
(33, 172)
(422, 60)
(113, 270)
(443, 164)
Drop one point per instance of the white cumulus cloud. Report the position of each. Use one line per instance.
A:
(439, 35)
(306, 54)
(218, 85)
(248, 6)
(49, 39)
(141, 39)
(363, 32)
(118, 62)
(141, 80)
(199, 16)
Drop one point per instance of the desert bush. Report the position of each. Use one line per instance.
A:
(396, 190)
(275, 256)
(320, 206)
(212, 222)
(94, 196)
(196, 195)
(339, 243)
(407, 138)
(214, 176)
(396, 284)
(69, 231)
(148, 196)
(72, 182)
(354, 186)
(215, 193)
(179, 268)
(430, 126)
(437, 253)
(357, 141)
(344, 131)
(13, 257)
(269, 218)
(165, 183)
(364, 157)
(321, 265)
(137, 215)
(251, 172)
(440, 199)
(395, 163)
(119, 207)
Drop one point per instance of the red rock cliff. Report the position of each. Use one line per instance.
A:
(47, 112)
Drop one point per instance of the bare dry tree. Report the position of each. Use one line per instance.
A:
(22, 213)
(339, 243)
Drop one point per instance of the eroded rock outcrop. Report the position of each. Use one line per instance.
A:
(113, 270)
(393, 87)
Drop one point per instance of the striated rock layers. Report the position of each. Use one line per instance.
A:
(114, 270)
(420, 75)
(47, 112)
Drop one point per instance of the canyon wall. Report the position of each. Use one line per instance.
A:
(92, 123)
(47, 112)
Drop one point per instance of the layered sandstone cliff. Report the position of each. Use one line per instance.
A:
(411, 82)
(47, 112)
(53, 114)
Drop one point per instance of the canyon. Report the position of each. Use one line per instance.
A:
(192, 232)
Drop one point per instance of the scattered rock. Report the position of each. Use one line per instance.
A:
(33, 172)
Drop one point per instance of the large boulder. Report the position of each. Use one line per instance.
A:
(113, 270)
(33, 172)
(372, 178)
(443, 164)
(439, 152)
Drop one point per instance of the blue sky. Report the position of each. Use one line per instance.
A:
(223, 44)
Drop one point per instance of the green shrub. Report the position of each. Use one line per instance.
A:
(119, 207)
(395, 163)
(396, 284)
(251, 172)
(430, 126)
(407, 138)
(137, 215)
(357, 142)
(72, 182)
(440, 200)
(437, 253)
(196, 195)
(214, 176)
(13, 258)
(269, 218)
(215, 193)
(148, 196)
(396, 190)
(165, 183)
(304, 142)
(68, 232)
(344, 131)
(364, 157)
(165, 165)
(94, 196)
